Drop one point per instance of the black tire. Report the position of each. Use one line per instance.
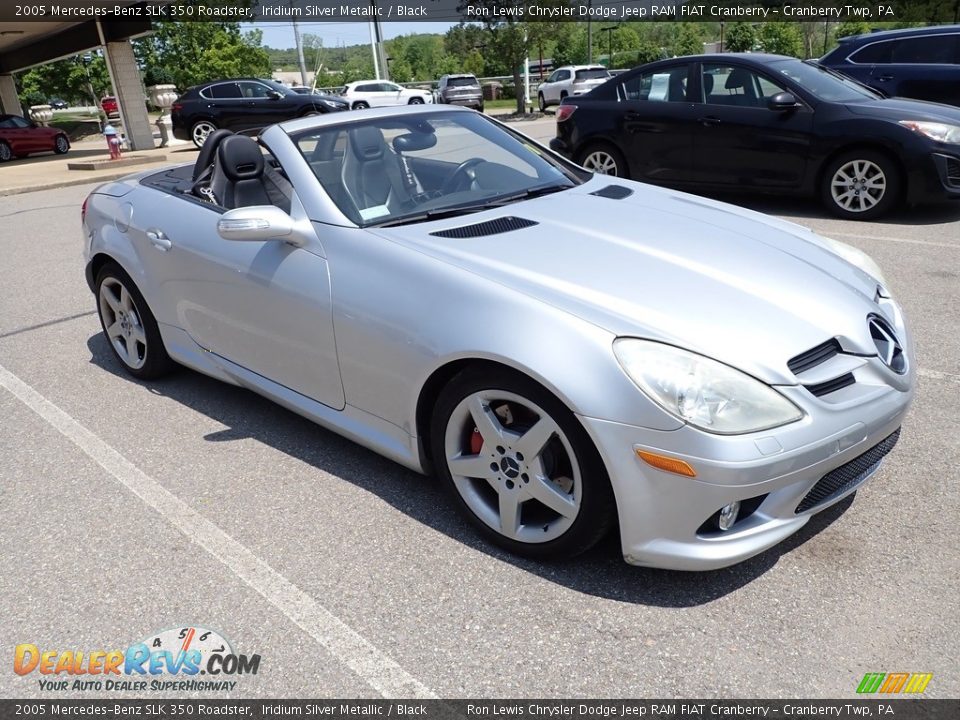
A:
(61, 145)
(415, 101)
(204, 128)
(480, 107)
(154, 362)
(622, 170)
(596, 514)
(361, 105)
(6, 154)
(859, 198)
(541, 102)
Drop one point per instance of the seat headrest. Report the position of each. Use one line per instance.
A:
(367, 142)
(208, 151)
(738, 78)
(240, 158)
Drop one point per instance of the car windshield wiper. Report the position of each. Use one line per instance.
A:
(499, 201)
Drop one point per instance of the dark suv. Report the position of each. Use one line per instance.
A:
(242, 104)
(920, 63)
(460, 90)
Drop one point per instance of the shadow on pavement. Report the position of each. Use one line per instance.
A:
(600, 572)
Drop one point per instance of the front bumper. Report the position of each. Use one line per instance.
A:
(665, 519)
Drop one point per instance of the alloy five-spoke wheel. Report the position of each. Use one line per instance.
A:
(129, 325)
(604, 160)
(201, 131)
(520, 465)
(860, 185)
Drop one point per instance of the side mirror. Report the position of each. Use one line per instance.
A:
(258, 223)
(274, 94)
(782, 102)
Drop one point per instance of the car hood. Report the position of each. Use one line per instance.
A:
(906, 109)
(746, 289)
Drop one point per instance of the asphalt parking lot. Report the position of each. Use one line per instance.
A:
(130, 507)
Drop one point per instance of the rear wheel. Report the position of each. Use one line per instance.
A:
(541, 102)
(519, 465)
(603, 159)
(61, 145)
(860, 185)
(201, 131)
(416, 101)
(361, 105)
(6, 153)
(129, 325)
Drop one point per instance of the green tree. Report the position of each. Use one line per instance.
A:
(781, 38)
(851, 27)
(83, 78)
(688, 39)
(742, 37)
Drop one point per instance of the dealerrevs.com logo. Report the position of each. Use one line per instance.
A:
(171, 660)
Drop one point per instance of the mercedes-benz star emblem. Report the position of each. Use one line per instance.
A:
(888, 346)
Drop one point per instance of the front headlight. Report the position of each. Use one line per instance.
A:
(333, 105)
(703, 392)
(857, 258)
(941, 132)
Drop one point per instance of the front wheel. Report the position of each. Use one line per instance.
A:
(6, 154)
(361, 105)
(416, 101)
(541, 102)
(129, 325)
(520, 466)
(603, 160)
(860, 185)
(201, 131)
(61, 145)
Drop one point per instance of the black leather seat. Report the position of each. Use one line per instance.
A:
(237, 179)
(208, 152)
(371, 174)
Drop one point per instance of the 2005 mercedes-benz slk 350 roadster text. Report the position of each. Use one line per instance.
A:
(567, 351)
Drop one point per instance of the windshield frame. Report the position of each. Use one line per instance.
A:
(568, 172)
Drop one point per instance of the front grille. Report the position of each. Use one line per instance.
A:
(813, 357)
(489, 227)
(837, 383)
(841, 479)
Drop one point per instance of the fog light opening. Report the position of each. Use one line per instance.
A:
(728, 515)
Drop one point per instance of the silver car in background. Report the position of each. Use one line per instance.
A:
(568, 352)
(460, 90)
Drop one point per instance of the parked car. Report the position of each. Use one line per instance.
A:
(57, 104)
(920, 63)
(242, 104)
(20, 137)
(301, 90)
(380, 93)
(460, 90)
(765, 123)
(570, 80)
(108, 103)
(447, 292)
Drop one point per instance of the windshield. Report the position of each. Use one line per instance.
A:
(420, 166)
(462, 82)
(592, 74)
(279, 87)
(824, 84)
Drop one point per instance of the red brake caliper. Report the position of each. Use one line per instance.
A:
(476, 442)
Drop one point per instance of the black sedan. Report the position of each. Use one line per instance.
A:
(765, 123)
(242, 104)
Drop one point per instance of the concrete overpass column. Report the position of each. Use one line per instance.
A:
(125, 76)
(8, 96)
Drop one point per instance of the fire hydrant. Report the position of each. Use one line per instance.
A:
(113, 141)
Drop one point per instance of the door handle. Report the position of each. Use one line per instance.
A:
(159, 240)
(885, 78)
(709, 120)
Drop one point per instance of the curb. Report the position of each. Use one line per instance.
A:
(66, 183)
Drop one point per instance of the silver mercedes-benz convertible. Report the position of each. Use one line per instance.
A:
(568, 352)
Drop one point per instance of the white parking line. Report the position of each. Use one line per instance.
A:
(370, 664)
(861, 236)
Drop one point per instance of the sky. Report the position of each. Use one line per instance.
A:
(334, 34)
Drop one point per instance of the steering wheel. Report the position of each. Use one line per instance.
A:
(463, 177)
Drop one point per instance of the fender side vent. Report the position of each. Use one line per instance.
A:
(489, 227)
(614, 192)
